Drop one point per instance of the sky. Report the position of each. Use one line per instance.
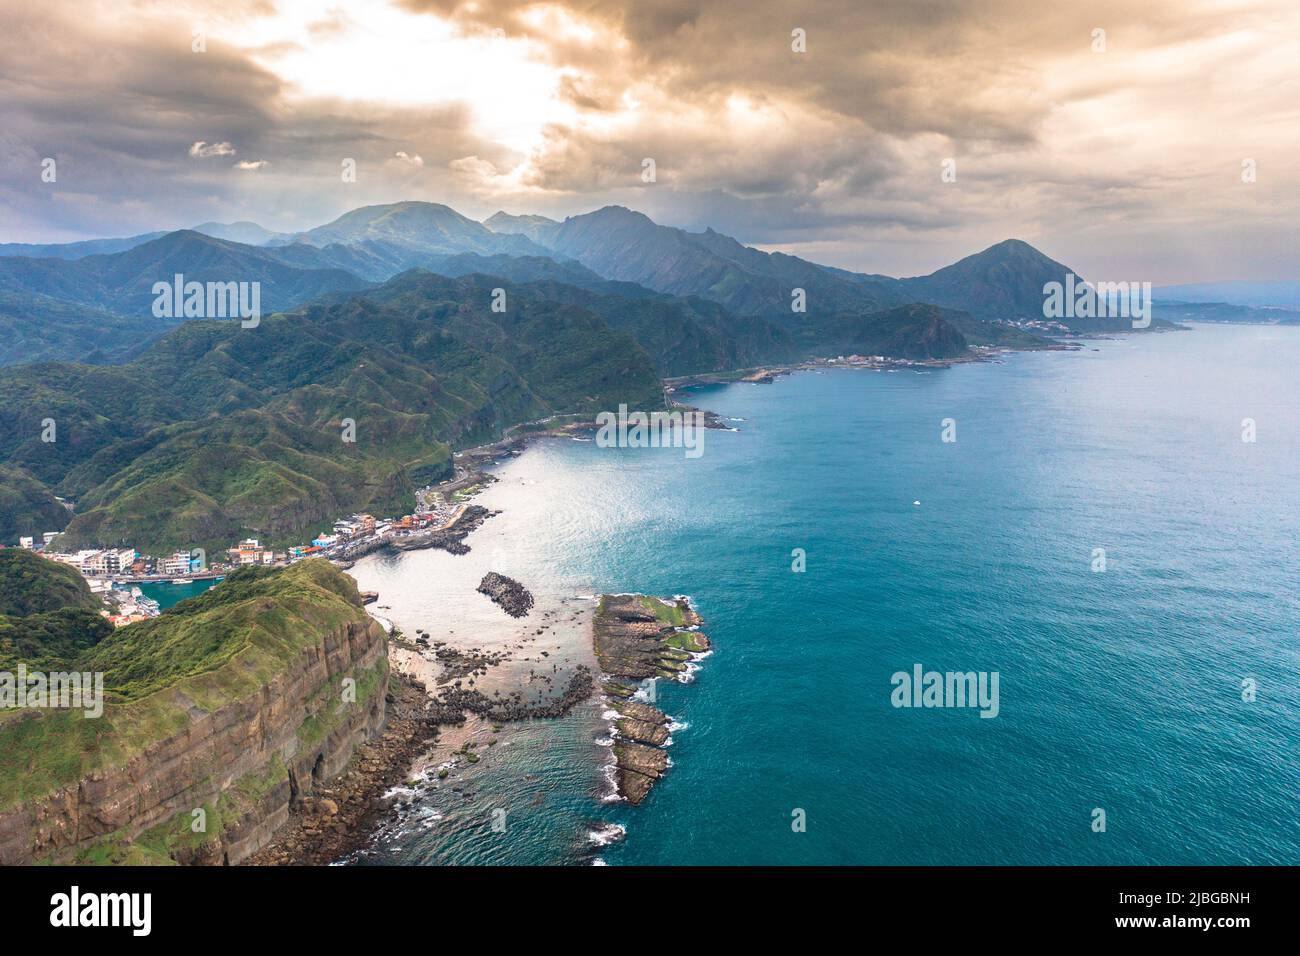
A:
(1138, 141)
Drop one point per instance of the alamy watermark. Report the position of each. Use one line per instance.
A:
(1077, 299)
(179, 299)
(75, 908)
(57, 690)
(652, 430)
(922, 688)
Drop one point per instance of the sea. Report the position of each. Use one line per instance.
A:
(168, 594)
(1112, 531)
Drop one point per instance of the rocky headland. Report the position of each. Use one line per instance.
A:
(205, 748)
(637, 637)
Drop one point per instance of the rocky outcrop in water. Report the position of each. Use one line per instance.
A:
(638, 637)
(639, 768)
(454, 702)
(509, 594)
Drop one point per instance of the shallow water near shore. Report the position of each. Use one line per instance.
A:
(1119, 690)
(168, 595)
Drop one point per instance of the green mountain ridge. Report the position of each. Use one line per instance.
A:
(222, 432)
(48, 615)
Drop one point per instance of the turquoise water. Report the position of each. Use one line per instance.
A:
(1119, 690)
(167, 594)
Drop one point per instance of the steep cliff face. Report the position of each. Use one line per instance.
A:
(217, 720)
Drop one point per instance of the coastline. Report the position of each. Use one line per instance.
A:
(467, 689)
(409, 816)
(532, 661)
(766, 374)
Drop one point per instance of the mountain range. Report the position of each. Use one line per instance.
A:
(430, 331)
(94, 296)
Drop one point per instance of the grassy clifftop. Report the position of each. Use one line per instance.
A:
(205, 653)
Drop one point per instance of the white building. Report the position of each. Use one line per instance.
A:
(175, 564)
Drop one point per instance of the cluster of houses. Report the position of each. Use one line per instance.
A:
(105, 567)
(434, 510)
(349, 529)
(108, 562)
(123, 606)
(250, 551)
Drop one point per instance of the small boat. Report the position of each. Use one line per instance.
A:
(180, 580)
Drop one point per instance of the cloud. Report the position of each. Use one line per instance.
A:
(251, 164)
(1133, 153)
(202, 150)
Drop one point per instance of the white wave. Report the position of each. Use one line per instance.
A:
(407, 792)
(612, 796)
(606, 833)
(676, 725)
(428, 817)
(599, 862)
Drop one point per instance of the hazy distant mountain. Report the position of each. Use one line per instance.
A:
(422, 227)
(621, 244)
(99, 308)
(123, 282)
(531, 226)
(1277, 293)
(76, 250)
(249, 233)
(246, 232)
(375, 243)
(1005, 281)
(380, 260)
(1174, 311)
(693, 291)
